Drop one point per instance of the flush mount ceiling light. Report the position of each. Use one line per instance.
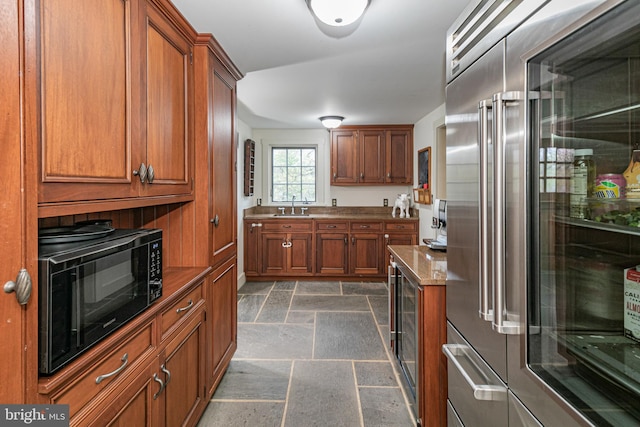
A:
(331, 122)
(338, 13)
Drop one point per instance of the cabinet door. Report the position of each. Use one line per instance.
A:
(371, 157)
(19, 222)
(167, 92)
(183, 374)
(132, 406)
(251, 247)
(223, 166)
(300, 254)
(332, 253)
(365, 255)
(221, 322)
(274, 253)
(399, 157)
(88, 136)
(344, 157)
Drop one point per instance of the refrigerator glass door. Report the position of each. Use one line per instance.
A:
(583, 337)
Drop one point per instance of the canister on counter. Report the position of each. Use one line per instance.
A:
(610, 186)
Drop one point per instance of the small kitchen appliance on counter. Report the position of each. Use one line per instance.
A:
(440, 224)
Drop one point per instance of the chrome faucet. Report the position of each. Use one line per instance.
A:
(293, 208)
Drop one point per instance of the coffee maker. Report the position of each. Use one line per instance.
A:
(439, 222)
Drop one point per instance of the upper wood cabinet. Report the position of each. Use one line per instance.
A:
(216, 166)
(372, 155)
(113, 86)
(168, 103)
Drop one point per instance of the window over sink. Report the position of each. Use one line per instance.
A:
(293, 174)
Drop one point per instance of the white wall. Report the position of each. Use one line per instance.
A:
(424, 135)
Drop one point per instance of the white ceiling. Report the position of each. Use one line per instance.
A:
(390, 70)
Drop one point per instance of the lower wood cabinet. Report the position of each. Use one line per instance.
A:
(322, 247)
(287, 248)
(365, 253)
(221, 295)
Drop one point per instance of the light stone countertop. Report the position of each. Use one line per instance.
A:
(425, 266)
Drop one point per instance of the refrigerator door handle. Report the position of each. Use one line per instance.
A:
(480, 391)
(485, 308)
(501, 324)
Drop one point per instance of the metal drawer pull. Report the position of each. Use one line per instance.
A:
(480, 391)
(158, 380)
(331, 226)
(189, 305)
(167, 373)
(365, 226)
(125, 360)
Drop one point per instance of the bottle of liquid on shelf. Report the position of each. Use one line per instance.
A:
(583, 177)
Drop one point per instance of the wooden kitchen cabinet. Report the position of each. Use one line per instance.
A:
(216, 124)
(340, 247)
(332, 247)
(116, 103)
(221, 294)
(287, 247)
(168, 105)
(366, 249)
(372, 155)
(399, 233)
(182, 370)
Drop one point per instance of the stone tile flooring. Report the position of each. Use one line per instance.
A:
(310, 353)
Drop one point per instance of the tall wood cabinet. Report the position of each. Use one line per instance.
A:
(116, 103)
(90, 91)
(372, 155)
(18, 228)
(216, 204)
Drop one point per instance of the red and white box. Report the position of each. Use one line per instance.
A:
(632, 303)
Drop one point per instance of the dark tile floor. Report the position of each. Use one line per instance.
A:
(310, 354)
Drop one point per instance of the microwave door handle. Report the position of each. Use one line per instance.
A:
(500, 322)
(485, 309)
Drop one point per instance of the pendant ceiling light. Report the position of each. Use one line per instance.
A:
(331, 122)
(338, 13)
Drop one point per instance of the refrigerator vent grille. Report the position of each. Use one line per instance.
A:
(479, 27)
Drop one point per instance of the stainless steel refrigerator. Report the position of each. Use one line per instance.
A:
(542, 304)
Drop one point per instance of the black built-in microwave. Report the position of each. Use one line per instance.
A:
(90, 286)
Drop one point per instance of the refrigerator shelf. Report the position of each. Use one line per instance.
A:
(595, 225)
(612, 357)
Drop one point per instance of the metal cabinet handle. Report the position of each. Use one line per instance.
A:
(215, 221)
(125, 360)
(185, 308)
(335, 175)
(361, 175)
(286, 244)
(480, 391)
(141, 172)
(345, 241)
(331, 226)
(486, 308)
(150, 174)
(158, 380)
(167, 373)
(500, 322)
(286, 226)
(353, 240)
(22, 286)
(365, 226)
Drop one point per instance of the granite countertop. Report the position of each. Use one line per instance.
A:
(425, 266)
(371, 213)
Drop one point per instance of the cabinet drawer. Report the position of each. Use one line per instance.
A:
(293, 225)
(107, 372)
(180, 309)
(366, 226)
(331, 225)
(401, 226)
